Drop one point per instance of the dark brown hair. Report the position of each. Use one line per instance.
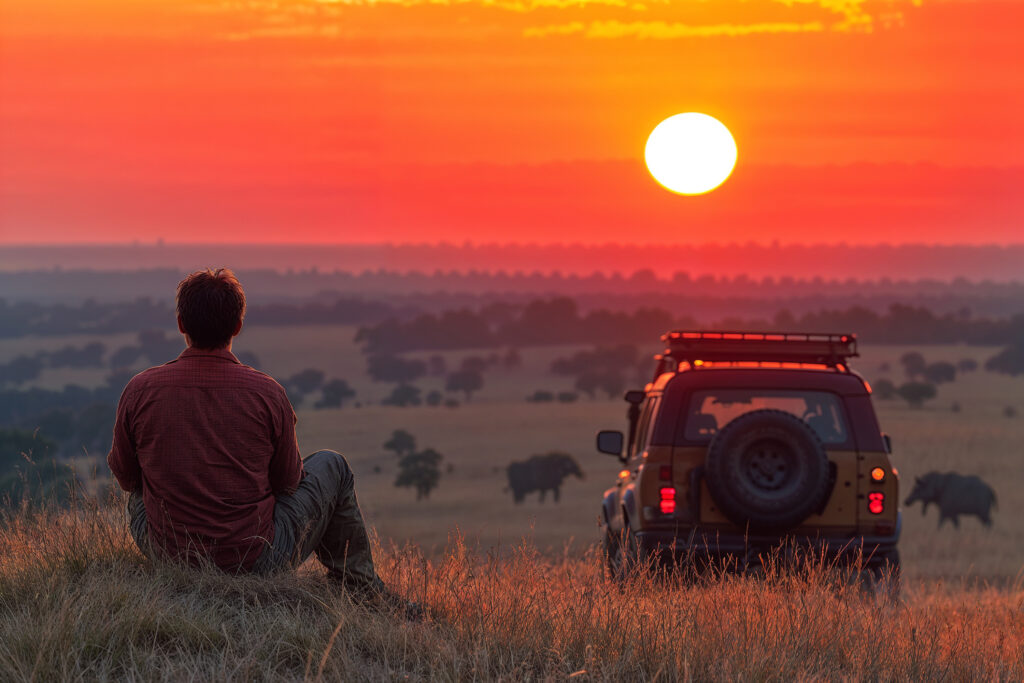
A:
(210, 304)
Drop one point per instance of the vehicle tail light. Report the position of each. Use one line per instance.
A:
(668, 501)
(877, 474)
(876, 502)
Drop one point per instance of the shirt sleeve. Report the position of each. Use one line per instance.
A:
(286, 463)
(123, 459)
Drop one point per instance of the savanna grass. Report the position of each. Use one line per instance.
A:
(77, 601)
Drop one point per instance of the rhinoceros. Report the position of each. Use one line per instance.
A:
(955, 494)
(541, 473)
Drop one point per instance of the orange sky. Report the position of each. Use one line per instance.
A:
(509, 120)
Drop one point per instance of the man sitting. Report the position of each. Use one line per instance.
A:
(206, 447)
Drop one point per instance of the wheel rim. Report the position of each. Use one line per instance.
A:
(769, 467)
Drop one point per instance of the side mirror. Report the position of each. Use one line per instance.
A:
(610, 442)
(635, 396)
(888, 443)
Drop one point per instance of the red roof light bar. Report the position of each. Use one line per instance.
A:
(777, 347)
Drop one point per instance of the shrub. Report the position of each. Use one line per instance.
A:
(466, 381)
(916, 393)
(420, 471)
(913, 364)
(940, 372)
(335, 393)
(403, 395)
(884, 390)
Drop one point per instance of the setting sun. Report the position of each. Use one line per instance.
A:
(690, 153)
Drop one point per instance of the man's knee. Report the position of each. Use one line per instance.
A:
(332, 462)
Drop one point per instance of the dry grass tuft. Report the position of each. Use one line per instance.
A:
(77, 601)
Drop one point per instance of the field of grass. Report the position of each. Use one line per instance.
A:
(497, 426)
(514, 591)
(77, 601)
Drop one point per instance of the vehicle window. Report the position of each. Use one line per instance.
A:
(643, 428)
(713, 409)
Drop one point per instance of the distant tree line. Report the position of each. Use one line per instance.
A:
(30, 318)
(559, 321)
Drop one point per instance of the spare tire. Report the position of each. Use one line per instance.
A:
(767, 471)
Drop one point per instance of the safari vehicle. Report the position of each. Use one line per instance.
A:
(745, 442)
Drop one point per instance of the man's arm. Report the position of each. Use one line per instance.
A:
(123, 459)
(285, 464)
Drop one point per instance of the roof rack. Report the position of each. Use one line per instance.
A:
(771, 347)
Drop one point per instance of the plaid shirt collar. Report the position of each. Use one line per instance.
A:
(220, 354)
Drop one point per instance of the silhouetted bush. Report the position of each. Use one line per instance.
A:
(420, 471)
(403, 395)
(567, 397)
(466, 381)
(913, 364)
(401, 442)
(884, 390)
(940, 372)
(540, 396)
(334, 394)
(306, 381)
(916, 393)
(20, 370)
(1009, 361)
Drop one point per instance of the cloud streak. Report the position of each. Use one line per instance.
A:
(662, 30)
(538, 19)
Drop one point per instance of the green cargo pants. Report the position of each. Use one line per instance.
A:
(321, 516)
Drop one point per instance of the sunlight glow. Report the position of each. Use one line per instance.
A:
(690, 153)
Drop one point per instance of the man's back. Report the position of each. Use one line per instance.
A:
(216, 441)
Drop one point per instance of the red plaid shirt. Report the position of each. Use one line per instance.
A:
(210, 442)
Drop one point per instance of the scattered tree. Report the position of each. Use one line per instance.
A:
(540, 396)
(567, 397)
(20, 370)
(466, 381)
(435, 398)
(420, 471)
(955, 407)
(1009, 361)
(588, 383)
(884, 390)
(335, 393)
(1009, 411)
(401, 442)
(403, 395)
(940, 372)
(392, 368)
(916, 393)
(306, 381)
(913, 364)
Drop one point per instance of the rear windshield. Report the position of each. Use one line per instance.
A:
(713, 409)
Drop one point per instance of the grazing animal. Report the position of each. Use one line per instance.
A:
(955, 494)
(541, 473)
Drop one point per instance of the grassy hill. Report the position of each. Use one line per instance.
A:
(78, 602)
